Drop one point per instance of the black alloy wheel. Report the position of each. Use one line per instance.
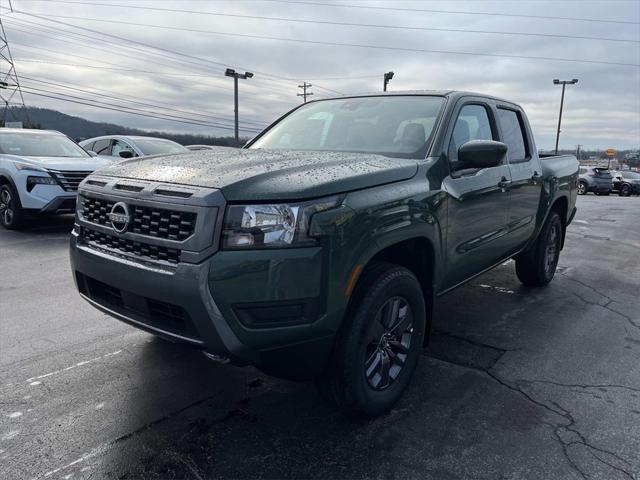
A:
(387, 352)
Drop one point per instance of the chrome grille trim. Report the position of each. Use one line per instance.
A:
(69, 180)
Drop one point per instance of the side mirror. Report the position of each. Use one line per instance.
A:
(481, 154)
(125, 153)
(92, 153)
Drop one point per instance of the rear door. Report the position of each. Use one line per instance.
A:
(525, 170)
(478, 199)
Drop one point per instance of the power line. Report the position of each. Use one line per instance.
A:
(453, 12)
(53, 96)
(344, 24)
(137, 100)
(380, 47)
(279, 90)
(166, 50)
(165, 116)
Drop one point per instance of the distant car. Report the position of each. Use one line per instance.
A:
(206, 147)
(39, 173)
(595, 179)
(125, 146)
(626, 183)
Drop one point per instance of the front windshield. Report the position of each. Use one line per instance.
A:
(399, 126)
(29, 144)
(633, 175)
(157, 146)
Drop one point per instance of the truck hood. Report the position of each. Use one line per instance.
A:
(88, 164)
(244, 175)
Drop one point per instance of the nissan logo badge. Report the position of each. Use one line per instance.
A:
(120, 217)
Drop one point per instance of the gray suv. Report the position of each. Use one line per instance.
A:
(595, 179)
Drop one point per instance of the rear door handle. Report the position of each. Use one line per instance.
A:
(504, 184)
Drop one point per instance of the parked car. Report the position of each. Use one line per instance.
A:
(206, 147)
(595, 179)
(131, 146)
(316, 252)
(40, 171)
(626, 183)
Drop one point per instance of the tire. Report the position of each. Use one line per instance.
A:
(607, 193)
(536, 267)
(11, 216)
(582, 188)
(625, 191)
(373, 360)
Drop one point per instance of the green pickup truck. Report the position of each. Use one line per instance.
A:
(317, 251)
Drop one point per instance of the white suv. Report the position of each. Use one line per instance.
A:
(39, 173)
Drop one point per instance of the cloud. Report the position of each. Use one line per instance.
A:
(602, 110)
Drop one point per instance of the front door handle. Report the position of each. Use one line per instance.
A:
(504, 184)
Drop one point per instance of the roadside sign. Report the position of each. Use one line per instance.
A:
(611, 152)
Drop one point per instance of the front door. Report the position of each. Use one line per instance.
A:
(478, 201)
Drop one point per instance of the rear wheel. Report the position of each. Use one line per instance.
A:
(536, 267)
(582, 188)
(379, 344)
(10, 212)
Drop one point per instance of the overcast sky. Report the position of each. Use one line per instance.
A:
(602, 110)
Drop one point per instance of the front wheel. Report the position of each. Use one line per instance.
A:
(536, 267)
(625, 191)
(10, 211)
(379, 344)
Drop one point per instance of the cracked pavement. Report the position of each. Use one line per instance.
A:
(516, 383)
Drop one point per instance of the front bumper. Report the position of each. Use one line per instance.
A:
(232, 304)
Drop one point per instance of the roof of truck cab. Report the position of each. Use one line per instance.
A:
(453, 94)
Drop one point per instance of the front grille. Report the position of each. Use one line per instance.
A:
(151, 221)
(131, 247)
(68, 180)
(155, 313)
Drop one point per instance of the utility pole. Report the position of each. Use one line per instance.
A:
(10, 91)
(578, 151)
(304, 93)
(230, 72)
(564, 83)
(387, 76)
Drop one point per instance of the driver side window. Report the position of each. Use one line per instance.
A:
(472, 124)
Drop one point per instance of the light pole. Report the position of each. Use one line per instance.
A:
(387, 76)
(564, 83)
(230, 72)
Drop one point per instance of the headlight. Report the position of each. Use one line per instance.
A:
(27, 166)
(272, 225)
(33, 181)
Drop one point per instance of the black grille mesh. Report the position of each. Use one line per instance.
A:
(143, 250)
(154, 222)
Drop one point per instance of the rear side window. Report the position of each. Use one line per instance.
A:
(512, 131)
(602, 172)
(472, 124)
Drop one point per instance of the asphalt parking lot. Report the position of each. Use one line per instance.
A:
(516, 384)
